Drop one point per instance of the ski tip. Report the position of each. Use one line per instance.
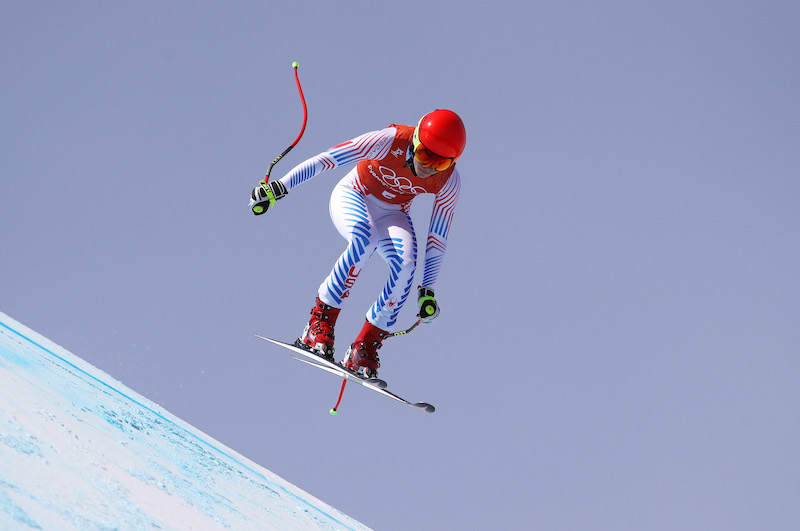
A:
(428, 408)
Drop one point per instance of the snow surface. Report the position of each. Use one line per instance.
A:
(79, 449)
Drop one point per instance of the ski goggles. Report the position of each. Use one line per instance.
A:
(428, 158)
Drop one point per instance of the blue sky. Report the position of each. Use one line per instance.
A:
(617, 347)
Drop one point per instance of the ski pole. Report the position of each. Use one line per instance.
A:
(403, 332)
(305, 120)
(334, 411)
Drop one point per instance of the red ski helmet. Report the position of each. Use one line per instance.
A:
(443, 133)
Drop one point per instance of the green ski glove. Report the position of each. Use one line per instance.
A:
(265, 195)
(428, 308)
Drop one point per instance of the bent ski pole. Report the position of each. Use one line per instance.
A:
(403, 332)
(305, 120)
(335, 409)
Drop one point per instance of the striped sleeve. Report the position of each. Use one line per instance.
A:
(441, 218)
(372, 145)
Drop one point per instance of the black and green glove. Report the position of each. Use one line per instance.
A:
(265, 195)
(428, 308)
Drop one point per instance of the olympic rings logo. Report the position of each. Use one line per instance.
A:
(403, 185)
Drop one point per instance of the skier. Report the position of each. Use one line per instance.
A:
(370, 209)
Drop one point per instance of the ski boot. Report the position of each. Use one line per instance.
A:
(362, 356)
(318, 334)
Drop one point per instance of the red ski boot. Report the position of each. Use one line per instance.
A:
(318, 334)
(362, 356)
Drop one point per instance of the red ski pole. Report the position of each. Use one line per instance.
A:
(336, 407)
(305, 120)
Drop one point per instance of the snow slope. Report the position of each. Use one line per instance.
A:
(79, 449)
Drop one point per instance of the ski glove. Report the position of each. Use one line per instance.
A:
(265, 195)
(428, 309)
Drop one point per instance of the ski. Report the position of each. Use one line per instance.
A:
(373, 384)
(344, 373)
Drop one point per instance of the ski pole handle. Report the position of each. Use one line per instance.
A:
(302, 130)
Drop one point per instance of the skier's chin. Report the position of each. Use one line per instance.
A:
(423, 171)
